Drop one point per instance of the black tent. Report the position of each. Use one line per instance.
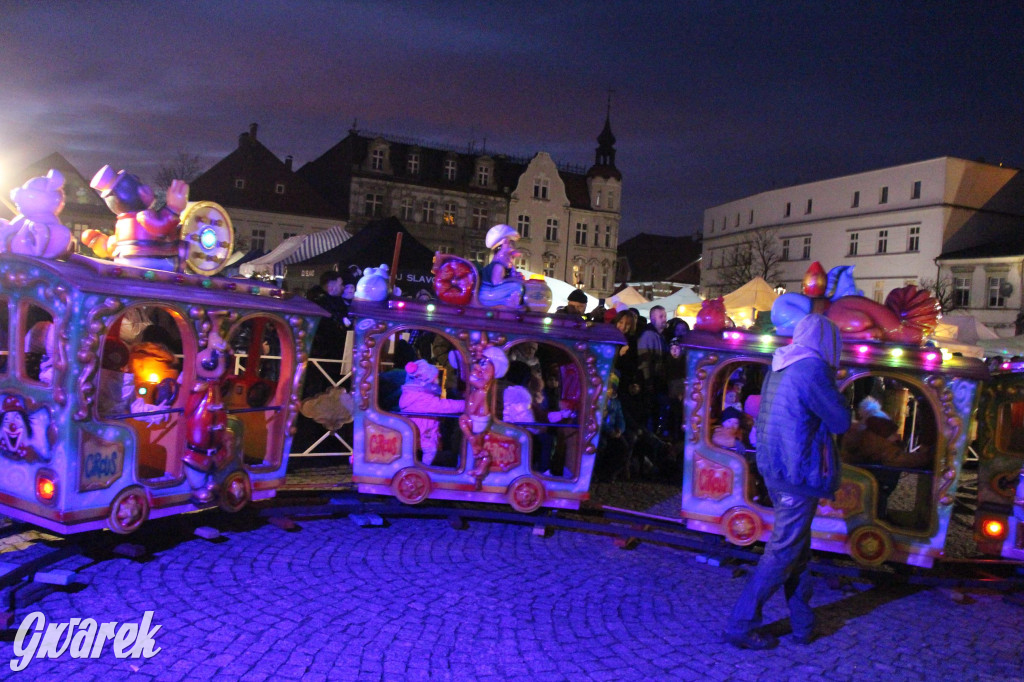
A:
(372, 246)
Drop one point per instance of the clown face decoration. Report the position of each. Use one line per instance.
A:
(23, 435)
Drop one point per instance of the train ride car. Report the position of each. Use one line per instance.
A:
(130, 392)
(524, 392)
(902, 457)
(998, 531)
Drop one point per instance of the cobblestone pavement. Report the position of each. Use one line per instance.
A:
(419, 600)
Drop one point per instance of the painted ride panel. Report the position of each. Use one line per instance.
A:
(896, 507)
(120, 402)
(482, 457)
(998, 530)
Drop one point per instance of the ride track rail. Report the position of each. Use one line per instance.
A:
(632, 526)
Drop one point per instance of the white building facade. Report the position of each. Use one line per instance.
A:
(892, 224)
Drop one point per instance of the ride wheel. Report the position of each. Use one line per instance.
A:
(742, 526)
(411, 485)
(870, 545)
(129, 510)
(526, 494)
(235, 492)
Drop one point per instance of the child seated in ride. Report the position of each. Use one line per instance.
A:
(422, 393)
(524, 402)
(729, 434)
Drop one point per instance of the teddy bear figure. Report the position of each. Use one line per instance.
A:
(36, 230)
(143, 236)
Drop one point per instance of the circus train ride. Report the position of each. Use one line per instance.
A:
(899, 482)
(142, 387)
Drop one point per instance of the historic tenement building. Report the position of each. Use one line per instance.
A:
(447, 199)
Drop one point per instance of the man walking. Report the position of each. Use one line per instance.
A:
(800, 409)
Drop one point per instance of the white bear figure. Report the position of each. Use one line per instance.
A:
(36, 230)
(373, 285)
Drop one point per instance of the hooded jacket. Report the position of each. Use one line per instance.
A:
(800, 408)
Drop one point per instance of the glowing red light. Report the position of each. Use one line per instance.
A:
(45, 488)
(993, 528)
(401, 304)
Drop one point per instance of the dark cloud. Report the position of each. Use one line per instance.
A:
(712, 100)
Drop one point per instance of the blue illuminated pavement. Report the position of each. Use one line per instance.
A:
(419, 600)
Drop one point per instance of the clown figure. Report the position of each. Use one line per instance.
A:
(23, 434)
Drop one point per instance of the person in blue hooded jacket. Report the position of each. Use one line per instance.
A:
(801, 408)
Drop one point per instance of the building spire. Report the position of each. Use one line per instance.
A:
(605, 155)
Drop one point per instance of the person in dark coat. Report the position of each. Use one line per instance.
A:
(801, 408)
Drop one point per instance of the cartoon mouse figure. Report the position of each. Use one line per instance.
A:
(207, 443)
(36, 230)
(143, 237)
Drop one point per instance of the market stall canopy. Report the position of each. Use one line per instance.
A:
(1010, 346)
(240, 258)
(374, 245)
(945, 336)
(969, 330)
(295, 249)
(756, 294)
(676, 304)
(628, 297)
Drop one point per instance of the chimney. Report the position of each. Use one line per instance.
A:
(252, 130)
(288, 162)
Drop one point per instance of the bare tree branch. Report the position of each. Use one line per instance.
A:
(942, 290)
(184, 166)
(757, 255)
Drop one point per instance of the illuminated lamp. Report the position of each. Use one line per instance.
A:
(766, 338)
(993, 528)
(400, 305)
(431, 308)
(208, 238)
(1006, 365)
(546, 320)
(931, 357)
(896, 353)
(946, 355)
(863, 349)
(46, 486)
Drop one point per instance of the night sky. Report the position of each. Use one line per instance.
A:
(712, 101)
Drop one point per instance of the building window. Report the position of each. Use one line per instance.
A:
(412, 165)
(915, 193)
(854, 237)
(597, 235)
(597, 199)
(611, 200)
(856, 200)
(737, 223)
(581, 234)
(258, 239)
(750, 218)
(551, 233)
(996, 292)
(377, 160)
(879, 292)
(914, 240)
(808, 211)
(523, 226)
(540, 188)
(480, 218)
(549, 266)
(962, 292)
(883, 198)
(785, 252)
(450, 211)
(449, 169)
(239, 183)
(789, 209)
(289, 235)
(374, 205)
(427, 211)
(483, 175)
(712, 226)
(78, 229)
(279, 188)
(604, 279)
(478, 255)
(408, 209)
(607, 236)
(807, 248)
(593, 276)
(446, 248)
(883, 241)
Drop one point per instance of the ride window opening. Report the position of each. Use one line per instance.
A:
(40, 345)
(552, 380)
(894, 437)
(252, 392)
(140, 385)
(1010, 428)
(5, 332)
(418, 381)
(735, 396)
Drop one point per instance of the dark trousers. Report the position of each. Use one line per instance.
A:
(784, 564)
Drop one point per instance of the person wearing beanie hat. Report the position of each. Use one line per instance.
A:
(576, 305)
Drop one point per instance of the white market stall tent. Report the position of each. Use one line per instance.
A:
(628, 297)
(295, 250)
(685, 298)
